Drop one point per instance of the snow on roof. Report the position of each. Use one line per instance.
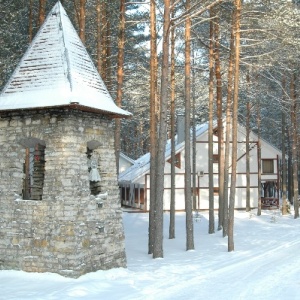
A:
(127, 158)
(142, 165)
(56, 70)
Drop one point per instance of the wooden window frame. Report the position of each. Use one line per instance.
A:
(34, 171)
(267, 169)
(216, 191)
(216, 158)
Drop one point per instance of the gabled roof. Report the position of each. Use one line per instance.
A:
(127, 158)
(56, 70)
(142, 165)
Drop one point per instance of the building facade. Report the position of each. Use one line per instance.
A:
(135, 181)
(59, 199)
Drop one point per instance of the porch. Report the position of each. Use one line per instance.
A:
(133, 195)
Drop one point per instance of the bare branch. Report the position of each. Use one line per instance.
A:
(183, 17)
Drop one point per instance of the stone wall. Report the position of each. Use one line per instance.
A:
(69, 231)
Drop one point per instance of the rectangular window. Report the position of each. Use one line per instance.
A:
(216, 191)
(268, 166)
(93, 169)
(215, 158)
(34, 170)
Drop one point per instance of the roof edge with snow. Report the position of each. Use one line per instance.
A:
(57, 71)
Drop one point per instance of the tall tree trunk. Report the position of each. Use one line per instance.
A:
(290, 167)
(82, 21)
(80, 13)
(99, 33)
(228, 127)
(30, 21)
(103, 42)
(211, 225)
(283, 150)
(108, 53)
(187, 194)
(153, 125)
(120, 77)
(284, 166)
(258, 160)
(220, 121)
(295, 144)
(248, 208)
(238, 6)
(172, 121)
(194, 153)
(162, 138)
(42, 11)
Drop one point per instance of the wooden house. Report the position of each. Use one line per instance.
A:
(59, 198)
(135, 181)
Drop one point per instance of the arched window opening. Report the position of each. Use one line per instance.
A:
(93, 167)
(34, 169)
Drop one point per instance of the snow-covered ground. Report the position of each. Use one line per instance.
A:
(264, 265)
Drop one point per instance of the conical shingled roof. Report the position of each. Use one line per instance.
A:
(56, 70)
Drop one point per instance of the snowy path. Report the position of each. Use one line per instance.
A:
(265, 265)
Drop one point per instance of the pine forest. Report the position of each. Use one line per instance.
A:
(208, 60)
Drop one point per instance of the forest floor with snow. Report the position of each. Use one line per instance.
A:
(265, 265)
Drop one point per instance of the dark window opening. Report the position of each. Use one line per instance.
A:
(93, 168)
(216, 191)
(34, 171)
(269, 189)
(268, 166)
(215, 158)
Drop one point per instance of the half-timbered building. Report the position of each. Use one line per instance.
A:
(135, 181)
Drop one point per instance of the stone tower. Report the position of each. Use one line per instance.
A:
(59, 198)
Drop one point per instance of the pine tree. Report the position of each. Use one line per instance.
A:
(162, 135)
(187, 178)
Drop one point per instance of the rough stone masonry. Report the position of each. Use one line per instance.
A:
(68, 231)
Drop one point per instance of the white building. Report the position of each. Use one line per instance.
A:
(135, 181)
(125, 162)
